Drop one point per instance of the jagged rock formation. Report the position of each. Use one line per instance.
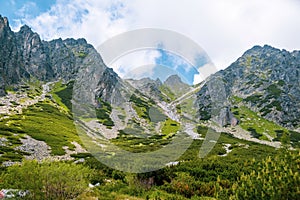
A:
(24, 56)
(266, 80)
(9, 57)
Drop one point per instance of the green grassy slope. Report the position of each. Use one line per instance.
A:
(43, 122)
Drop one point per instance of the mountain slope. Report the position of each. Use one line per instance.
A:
(24, 57)
(264, 79)
(263, 83)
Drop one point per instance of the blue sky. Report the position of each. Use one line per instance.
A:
(156, 63)
(16, 10)
(183, 68)
(224, 29)
(161, 67)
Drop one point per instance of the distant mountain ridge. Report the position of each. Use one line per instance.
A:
(176, 85)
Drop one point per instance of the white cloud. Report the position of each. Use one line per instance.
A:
(204, 72)
(225, 29)
(197, 79)
(136, 64)
(25, 10)
(140, 72)
(79, 19)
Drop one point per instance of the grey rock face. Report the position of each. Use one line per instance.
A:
(267, 80)
(109, 86)
(148, 86)
(10, 70)
(24, 56)
(226, 118)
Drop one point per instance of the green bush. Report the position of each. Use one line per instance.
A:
(66, 94)
(274, 178)
(47, 180)
(274, 90)
(254, 98)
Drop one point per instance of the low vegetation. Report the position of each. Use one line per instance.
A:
(47, 180)
(44, 122)
(167, 91)
(272, 178)
(214, 177)
(141, 107)
(257, 125)
(62, 95)
(229, 177)
(170, 127)
(103, 114)
(243, 170)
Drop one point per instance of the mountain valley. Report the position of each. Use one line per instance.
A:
(60, 102)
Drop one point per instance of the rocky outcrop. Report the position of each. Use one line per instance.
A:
(38, 150)
(24, 56)
(10, 58)
(148, 86)
(266, 80)
(226, 118)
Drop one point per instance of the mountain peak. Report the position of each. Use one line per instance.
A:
(257, 49)
(24, 55)
(24, 30)
(4, 25)
(267, 79)
(4, 21)
(173, 79)
(145, 81)
(176, 85)
(72, 41)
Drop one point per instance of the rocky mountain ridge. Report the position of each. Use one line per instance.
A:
(264, 79)
(24, 57)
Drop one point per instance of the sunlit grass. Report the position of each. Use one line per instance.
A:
(250, 121)
(46, 123)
